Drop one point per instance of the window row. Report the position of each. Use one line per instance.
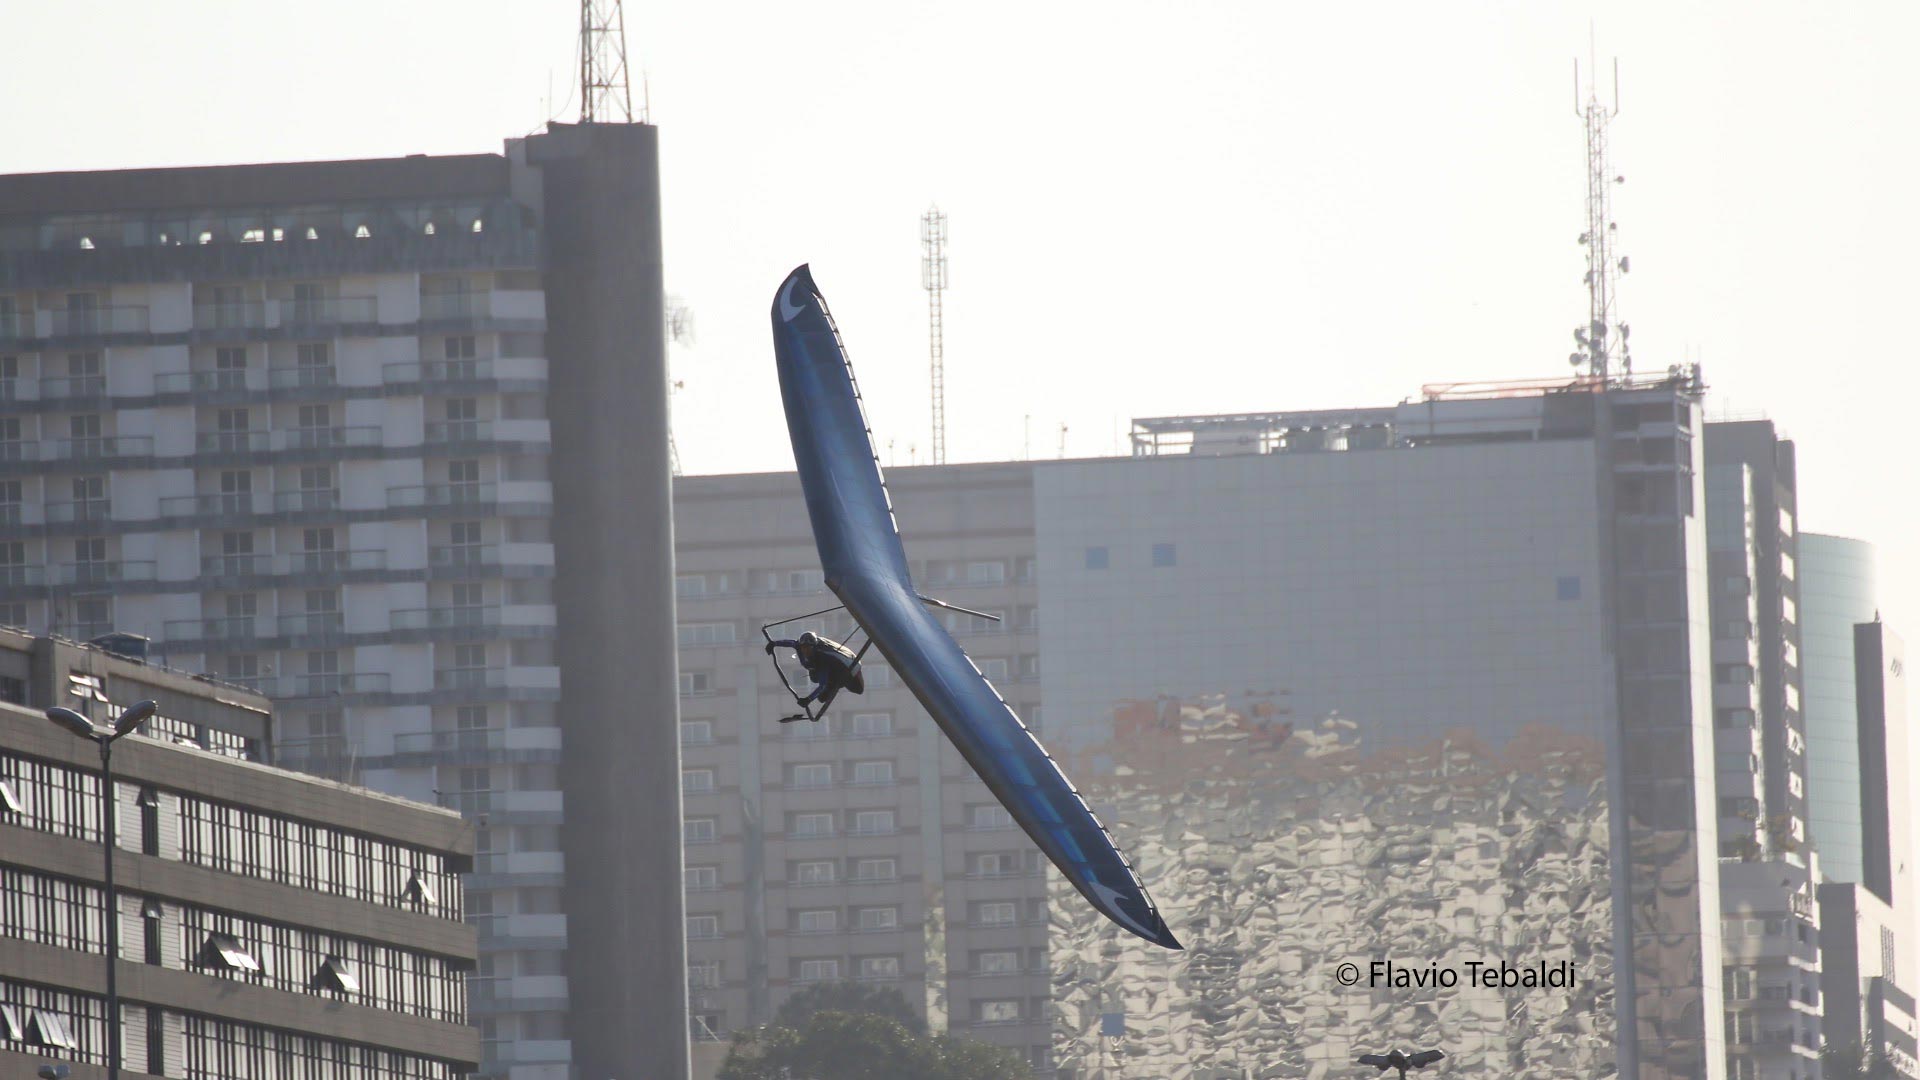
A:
(306, 961)
(217, 1050)
(62, 1025)
(261, 845)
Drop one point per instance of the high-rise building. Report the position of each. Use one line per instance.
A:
(270, 924)
(1838, 590)
(862, 847)
(1411, 683)
(386, 440)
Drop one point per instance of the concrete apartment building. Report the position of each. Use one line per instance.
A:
(271, 924)
(1421, 680)
(1769, 873)
(863, 847)
(301, 425)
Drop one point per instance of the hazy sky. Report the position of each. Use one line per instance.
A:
(1156, 207)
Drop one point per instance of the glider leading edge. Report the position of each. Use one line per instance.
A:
(866, 567)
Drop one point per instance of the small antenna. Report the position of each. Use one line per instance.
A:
(1602, 342)
(1063, 440)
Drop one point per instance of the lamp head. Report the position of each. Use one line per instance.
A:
(131, 720)
(73, 722)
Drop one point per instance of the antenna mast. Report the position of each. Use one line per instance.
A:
(933, 278)
(605, 96)
(1602, 341)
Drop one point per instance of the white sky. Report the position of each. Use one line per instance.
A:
(1156, 207)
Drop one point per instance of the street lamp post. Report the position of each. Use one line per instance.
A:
(126, 723)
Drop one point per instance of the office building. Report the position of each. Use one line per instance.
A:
(300, 425)
(1838, 590)
(271, 924)
(1416, 682)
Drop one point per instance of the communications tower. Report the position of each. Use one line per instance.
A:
(933, 278)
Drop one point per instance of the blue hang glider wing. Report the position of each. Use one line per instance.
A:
(866, 567)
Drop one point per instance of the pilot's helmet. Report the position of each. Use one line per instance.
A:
(809, 639)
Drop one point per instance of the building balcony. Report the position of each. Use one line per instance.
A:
(321, 685)
(313, 624)
(238, 315)
(233, 628)
(19, 450)
(233, 566)
(446, 618)
(322, 312)
(468, 678)
(111, 572)
(13, 513)
(444, 306)
(90, 322)
(17, 576)
(302, 377)
(333, 561)
(454, 432)
(325, 438)
(438, 495)
(16, 325)
(319, 753)
(202, 382)
(98, 446)
(463, 740)
(225, 505)
(457, 556)
(13, 389)
(63, 513)
(432, 372)
(315, 499)
(231, 442)
(74, 387)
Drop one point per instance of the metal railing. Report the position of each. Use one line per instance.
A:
(73, 386)
(182, 382)
(452, 555)
(454, 305)
(99, 446)
(445, 618)
(458, 431)
(437, 371)
(467, 739)
(307, 499)
(207, 442)
(16, 324)
(233, 565)
(60, 513)
(230, 628)
(313, 624)
(325, 685)
(109, 572)
(468, 802)
(232, 502)
(426, 495)
(121, 319)
(333, 561)
(16, 575)
(19, 450)
(326, 310)
(301, 377)
(468, 678)
(325, 438)
(236, 315)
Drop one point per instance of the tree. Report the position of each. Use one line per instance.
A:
(1849, 1061)
(849, 997)
(864, 1046)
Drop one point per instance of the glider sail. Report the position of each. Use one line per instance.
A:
(866, 567)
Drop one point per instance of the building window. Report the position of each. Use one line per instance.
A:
(701, 830)
(879, 967)
(811, 776)
(819, 970)
(696, 732)
(873, 772)
(875, 870)
(996, 913)
(1006, 962)
(873, 823)
(1096, 558)
(873, 919)
(703, 927)
(1566, 588)
(1000, 1012)
(702, 878)
(804, 825)
(225, 951)
(693, 683)
(872, 724)
(819, 921)
(988, 816)
(986, 573)
(1163, 555)
(814, 872)
(696, 781)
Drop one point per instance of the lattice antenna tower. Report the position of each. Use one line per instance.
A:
(933, 278)
(1603, 340)
(605, 95)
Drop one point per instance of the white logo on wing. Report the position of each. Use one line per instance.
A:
(789, 309)
(1112, 897)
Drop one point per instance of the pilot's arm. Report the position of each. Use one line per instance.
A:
(784, 643)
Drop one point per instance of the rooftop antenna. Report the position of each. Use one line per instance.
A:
(933, 278)
(605, 96)
(1603, 340)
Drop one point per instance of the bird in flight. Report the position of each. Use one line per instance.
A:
(1398, 1060)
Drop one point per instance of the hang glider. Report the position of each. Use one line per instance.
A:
(866, 568)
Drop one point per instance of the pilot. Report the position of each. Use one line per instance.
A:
(832, 666)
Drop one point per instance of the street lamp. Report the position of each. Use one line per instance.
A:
(126, 723)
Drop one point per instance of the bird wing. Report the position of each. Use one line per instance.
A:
(1378, 1061)
(1424, 1057)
